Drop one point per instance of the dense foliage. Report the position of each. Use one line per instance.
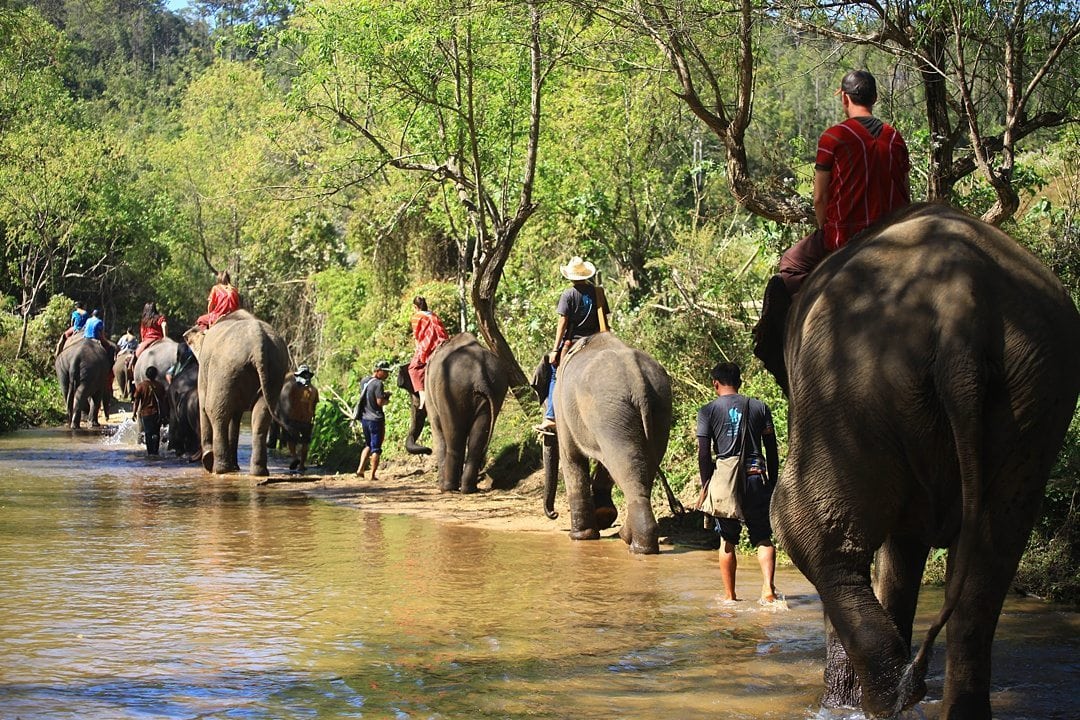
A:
(340, 157)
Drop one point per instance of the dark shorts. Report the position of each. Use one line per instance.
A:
(373, 434)
(756, 497)
(298, 432)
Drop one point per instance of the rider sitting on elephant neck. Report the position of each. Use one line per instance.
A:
(153, 327)
(224, 298)
(128, 341)
(78, 320)
(579, 313)
(429, 333)
(94, 329)
(847, 198)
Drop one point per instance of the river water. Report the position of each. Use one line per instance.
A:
(146, 589)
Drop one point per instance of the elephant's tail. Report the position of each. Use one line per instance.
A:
(269, 384)
(491, 422)
(961, 388)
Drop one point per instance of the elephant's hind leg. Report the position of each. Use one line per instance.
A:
(260, 429)
(575, 472)
(476, 451)
(452, 457)
(634, 476)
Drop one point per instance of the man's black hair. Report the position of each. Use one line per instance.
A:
(727, 373)
(861, 87)
(151, 372)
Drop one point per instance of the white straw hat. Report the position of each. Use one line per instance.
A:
(578, 269)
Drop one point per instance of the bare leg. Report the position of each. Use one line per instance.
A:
(374, 465)
(363, 461)
(766, 556)
(728, 564)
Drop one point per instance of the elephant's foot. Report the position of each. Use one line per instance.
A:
(605, 517)
(259, 471)
(841, 685)
(468, 489)
(651, 546)
(208, 461)
(586, 534)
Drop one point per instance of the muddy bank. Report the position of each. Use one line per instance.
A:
(408, 485)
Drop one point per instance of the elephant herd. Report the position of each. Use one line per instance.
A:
(240, 364)
(932, 369)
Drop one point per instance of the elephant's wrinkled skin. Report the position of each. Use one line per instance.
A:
(613, 406)
(242, 364)
(184, 435)
(82, 369)
(932, 371)
(601, 482)
(162, 355)
(466, 384)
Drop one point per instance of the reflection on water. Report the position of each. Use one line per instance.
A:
(137, 589)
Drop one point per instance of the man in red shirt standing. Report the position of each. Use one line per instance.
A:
(861, 175)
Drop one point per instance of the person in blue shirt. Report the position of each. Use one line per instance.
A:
(94, 329)
(78, 320)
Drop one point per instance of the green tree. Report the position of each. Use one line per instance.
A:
(451, 92)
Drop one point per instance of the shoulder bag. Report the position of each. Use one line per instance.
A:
(722, 495)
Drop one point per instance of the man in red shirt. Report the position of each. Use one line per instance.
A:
(861, 175)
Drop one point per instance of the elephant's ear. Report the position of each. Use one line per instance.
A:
(194, 337)
(541, 379)
(769, 330)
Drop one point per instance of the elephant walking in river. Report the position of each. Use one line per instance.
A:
(932, 370)
(82, 369)
(242, 365)
(612, 406)
(466, 385)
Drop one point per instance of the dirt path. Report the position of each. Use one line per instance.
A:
(409, 486)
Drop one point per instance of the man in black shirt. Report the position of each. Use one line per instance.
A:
(719, 433)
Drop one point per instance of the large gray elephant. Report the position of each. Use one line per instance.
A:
(612, 406)
(82, 369)
(466, 384)
(161, 354)
(931, 367)
(242, 364)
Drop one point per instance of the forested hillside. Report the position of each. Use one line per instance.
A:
(338, 157)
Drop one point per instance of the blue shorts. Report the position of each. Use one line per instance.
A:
(756, 497)
(373, 434)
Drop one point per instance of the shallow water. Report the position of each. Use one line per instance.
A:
(147, 589)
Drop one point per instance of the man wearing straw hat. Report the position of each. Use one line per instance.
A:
(582, 312)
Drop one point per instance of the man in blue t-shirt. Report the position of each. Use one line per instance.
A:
(719, 430)
(369, 411)
(94, 329)
(78, 320)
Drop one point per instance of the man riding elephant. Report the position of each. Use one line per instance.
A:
(582, 312)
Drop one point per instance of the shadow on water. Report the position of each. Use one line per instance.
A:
(138, 588)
